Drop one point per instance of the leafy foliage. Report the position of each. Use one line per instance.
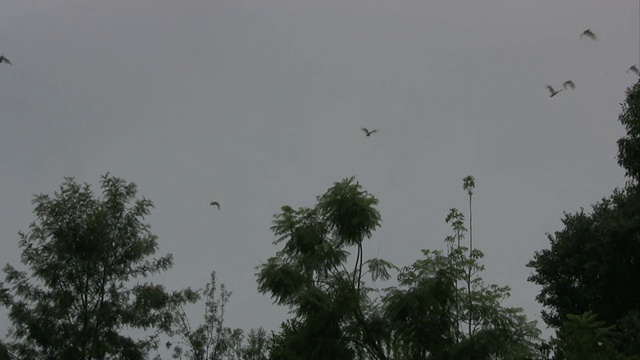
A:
(585, 337)
(629, 145)
(212, 340)
(256, 346)
(4, 351)
(310, 275)
(336, 316)
(317, 337)
(427, 313)
(593, 264)
(420, 312)
(83, 253)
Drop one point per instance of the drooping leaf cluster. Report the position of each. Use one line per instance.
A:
(585, 337)
(311, 275)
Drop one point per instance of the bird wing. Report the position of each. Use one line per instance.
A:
(213, 201)
(568, 83)
(365, 130)
(588, 33)
(373, 131)
(633, 68)
(551, 90)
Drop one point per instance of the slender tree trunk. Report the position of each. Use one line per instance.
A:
(470, 227)
(361, 255)
(470, 268)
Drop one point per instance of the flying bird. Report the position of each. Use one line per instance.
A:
(215, 203)
(3, 59)
(588, 33)
(553, 91)
(366, 131)
(634, 69)
(568, 84)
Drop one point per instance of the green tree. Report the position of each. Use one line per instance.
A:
(337, 316)
(311, 275)
(629, 145)
(212, 340)
(629, 328)
(594, 261)
(583, 337)
(79, 296)
(468, 184)
(433, 306)
(256, 346)
(4, 351)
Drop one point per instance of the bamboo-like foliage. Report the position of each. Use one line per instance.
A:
(311, 274)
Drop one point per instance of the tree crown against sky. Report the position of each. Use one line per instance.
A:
(86, 256)
(338, 314)
(593, 263)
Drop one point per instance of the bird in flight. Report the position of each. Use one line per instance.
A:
(634, 69)
(215, 203)
(553, 91)
(588, 33)
(366, 131)
(3, 59)
(568, 84)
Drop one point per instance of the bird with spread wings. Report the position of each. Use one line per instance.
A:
(568, 84)
(215, 203)
(553, 91)
(588, 33)
(366, 131)
(3, 59)
(565, 86)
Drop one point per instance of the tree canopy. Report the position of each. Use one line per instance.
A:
(340, 315)
(80, 295)
(629, 145)
(593, 264)
(212, 340)
(77, 298)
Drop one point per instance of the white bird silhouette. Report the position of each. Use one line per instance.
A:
(553, 91)
(568, 84)
(3, 59)
(366, 131)
(634, 69)
(588, 33)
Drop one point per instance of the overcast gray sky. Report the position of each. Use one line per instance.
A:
(259, 103)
